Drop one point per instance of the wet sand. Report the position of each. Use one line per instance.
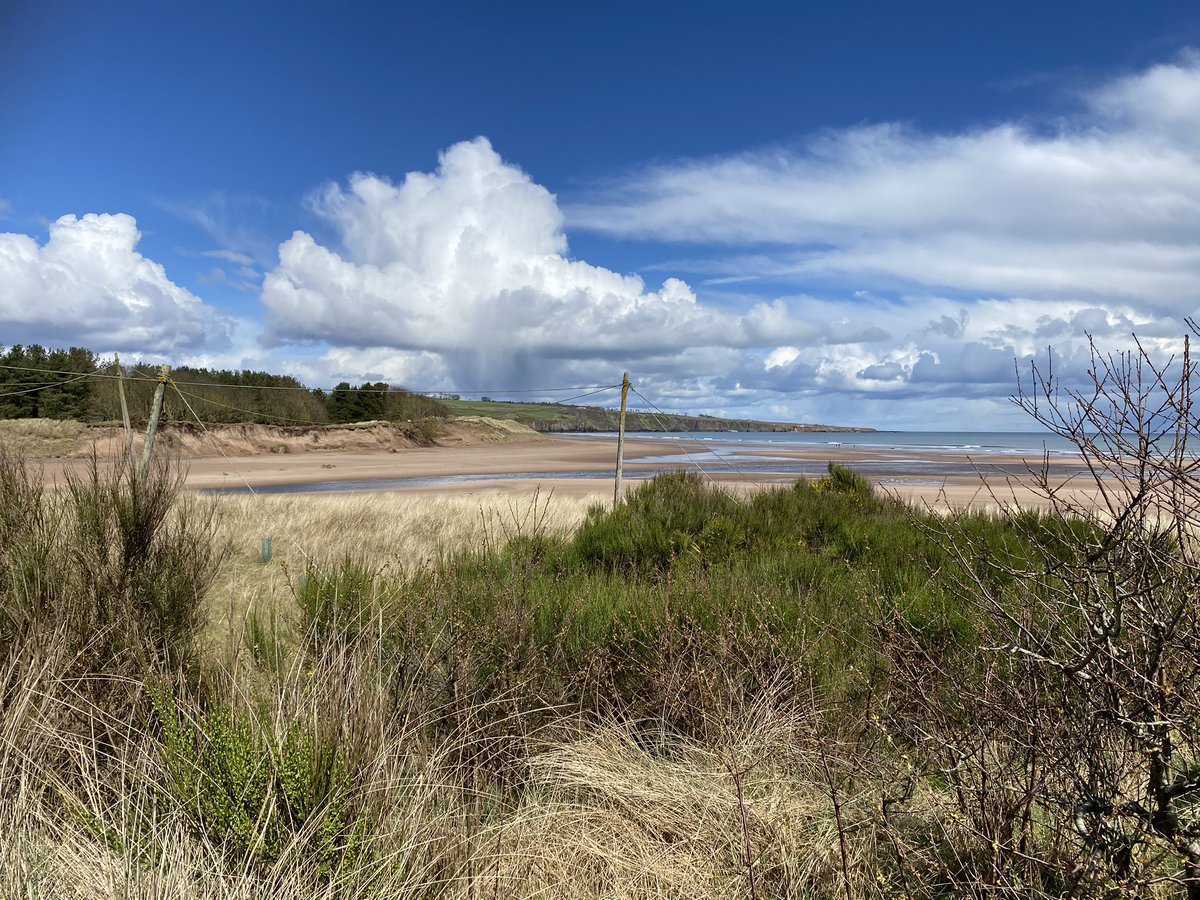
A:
(553, 456)
(521, 468)
(588, 464)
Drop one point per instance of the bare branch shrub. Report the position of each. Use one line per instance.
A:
(1071, 745)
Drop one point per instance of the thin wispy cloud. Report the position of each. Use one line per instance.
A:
(241, 225)
(235, 270)
(230, 256)
(1106, 205)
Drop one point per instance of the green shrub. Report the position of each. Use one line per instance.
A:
(338, 603)
(260, 797)
(681, 603)
(145, 558)
(425, 431)
(659, 520)
(116, 567)
(841, 480)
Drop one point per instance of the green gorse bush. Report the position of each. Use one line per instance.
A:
(259, 796)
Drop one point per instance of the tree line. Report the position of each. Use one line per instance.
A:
(41, 383)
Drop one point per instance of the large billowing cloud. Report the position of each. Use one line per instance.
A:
(855, 278)
(465, 272)
(88, 285)
(459, 279)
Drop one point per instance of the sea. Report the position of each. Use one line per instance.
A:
(950, 442)
(888, 458)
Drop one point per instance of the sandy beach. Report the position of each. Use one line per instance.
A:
(578, 466)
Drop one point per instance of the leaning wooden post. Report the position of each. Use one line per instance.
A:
(621, 440)
(124, 405)
(164, 375)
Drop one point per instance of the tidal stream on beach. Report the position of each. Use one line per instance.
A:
(901, 459)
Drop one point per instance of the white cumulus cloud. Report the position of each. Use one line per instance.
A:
(468, 265)
(88, 285)
(915, 268)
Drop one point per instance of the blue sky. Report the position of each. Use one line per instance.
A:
(859, 213)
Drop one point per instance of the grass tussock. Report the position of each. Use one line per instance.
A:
(691, 696)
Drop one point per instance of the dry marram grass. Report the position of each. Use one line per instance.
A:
(40, 438)
(393, 532)
(392, 528)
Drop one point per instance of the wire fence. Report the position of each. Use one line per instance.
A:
(191, 398)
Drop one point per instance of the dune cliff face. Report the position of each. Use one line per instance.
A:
(250, 440)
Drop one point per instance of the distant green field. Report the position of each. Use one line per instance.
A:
(560, 417)
(546, 412)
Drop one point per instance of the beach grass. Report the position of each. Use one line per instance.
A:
(695, 695)
(396, 534)
(40, 438)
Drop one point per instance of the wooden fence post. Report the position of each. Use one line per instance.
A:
(164, 375)
(621, 440)
(124, 405)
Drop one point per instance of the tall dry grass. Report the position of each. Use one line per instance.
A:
(40, 438)
(610, 811)
(391, 529)
(508, 699)
(391, 533)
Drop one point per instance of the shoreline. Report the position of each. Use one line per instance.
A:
(579, 466)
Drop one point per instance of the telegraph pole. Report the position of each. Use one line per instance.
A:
(621, 440)
(164, 375)
(124, 406)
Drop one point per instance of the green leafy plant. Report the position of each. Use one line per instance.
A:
(259, 796)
